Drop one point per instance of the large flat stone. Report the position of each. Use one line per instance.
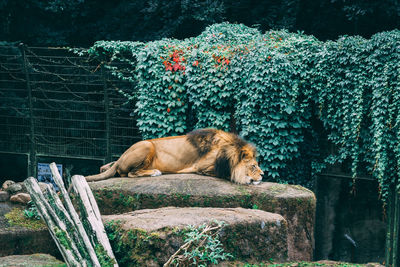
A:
(22, 235)
(295, 203)
(149, 237)
(34, 260)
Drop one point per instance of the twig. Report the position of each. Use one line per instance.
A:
(185, 246)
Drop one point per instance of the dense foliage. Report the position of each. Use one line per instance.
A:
(81, 22)
(290, 94)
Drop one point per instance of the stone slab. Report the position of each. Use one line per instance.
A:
(23, 236)
(295, 203)
(149, 237)
(34, 260)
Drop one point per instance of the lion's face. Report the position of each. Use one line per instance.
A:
(247, 172)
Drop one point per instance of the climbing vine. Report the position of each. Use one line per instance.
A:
(290, 94)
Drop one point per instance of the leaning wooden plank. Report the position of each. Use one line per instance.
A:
(77, 242)
(75, 218)
(90, 215)
(56, 227)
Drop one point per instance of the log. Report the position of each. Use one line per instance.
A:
(90, 214)
(54, 224)
(74, 216)
(77, 247)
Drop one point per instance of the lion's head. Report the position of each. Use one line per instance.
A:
(235, 158)
(247, 171)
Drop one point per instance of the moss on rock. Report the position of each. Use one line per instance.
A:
(150, 237)
(16, 217)
(295, 203)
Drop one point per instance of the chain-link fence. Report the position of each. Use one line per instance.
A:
(54, 103)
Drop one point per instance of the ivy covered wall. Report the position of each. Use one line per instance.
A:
(281, 91)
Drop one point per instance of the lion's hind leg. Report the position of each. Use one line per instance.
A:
(141, 173)
(137, 159)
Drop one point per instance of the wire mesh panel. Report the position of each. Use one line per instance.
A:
(14, 102)
(123, 129)
(54, 103)
(67, 104)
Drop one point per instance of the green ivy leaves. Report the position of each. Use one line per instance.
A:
(282, 91)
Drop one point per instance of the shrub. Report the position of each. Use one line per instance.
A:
(282, 91)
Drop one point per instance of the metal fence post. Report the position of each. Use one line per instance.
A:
(392, 234)
(32, 160)
(396, 238)
(107, 110)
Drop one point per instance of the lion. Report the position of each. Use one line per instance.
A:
(205, 151)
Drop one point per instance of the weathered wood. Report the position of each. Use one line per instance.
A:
(65, 226)
(74, 216)
(62, 214)
(91, 214)
(53, 223)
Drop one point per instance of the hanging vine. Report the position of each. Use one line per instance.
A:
(272, 88)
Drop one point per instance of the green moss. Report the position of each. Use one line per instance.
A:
(16, 218)
(126, 201)
(277, 188)
(108, 194)
(104, 259)
(134, 247)
(62, 237)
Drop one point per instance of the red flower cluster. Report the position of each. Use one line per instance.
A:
(175, 62)
(222, 60)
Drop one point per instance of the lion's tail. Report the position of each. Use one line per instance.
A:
(104, 175)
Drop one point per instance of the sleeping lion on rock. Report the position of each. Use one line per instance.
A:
(205, 151)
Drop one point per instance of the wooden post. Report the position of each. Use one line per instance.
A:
(57, 227)
(65, 226)
(91, 217)
(75, 218)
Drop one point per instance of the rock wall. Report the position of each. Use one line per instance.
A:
(296, 204)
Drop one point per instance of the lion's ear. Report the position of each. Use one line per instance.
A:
(245, 155)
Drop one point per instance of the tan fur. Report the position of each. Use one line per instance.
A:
(179, 154)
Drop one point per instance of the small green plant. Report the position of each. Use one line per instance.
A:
(202, 247)
(31, 212)
(16, 217)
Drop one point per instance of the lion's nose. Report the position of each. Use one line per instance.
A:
(262, 173)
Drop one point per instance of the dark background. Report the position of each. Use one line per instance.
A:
(82, 22)
(341, 216)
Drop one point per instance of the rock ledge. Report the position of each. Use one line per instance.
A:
(295, 203)
(149, 237)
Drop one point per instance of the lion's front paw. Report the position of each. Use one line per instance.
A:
(156, 173)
